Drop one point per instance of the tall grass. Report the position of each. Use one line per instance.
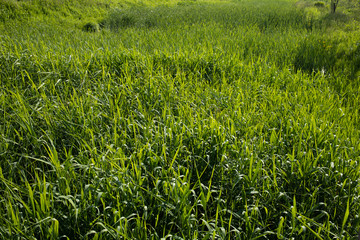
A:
(220, 120)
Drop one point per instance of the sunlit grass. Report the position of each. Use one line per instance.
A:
(194, 120)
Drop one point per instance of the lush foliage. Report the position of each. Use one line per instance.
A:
(184, 120)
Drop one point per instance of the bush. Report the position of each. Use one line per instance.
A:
(319, 4)
(91, 27)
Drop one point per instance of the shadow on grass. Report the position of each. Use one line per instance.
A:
(189, 13)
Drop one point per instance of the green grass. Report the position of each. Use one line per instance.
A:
(179, 120)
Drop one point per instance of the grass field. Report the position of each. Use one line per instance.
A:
(179, 119)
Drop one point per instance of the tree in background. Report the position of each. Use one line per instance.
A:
(333, 5)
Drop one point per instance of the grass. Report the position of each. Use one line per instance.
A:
(179, 120)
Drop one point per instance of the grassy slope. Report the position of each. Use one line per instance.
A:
(196, 120)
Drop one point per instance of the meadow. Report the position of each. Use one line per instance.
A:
(179, 119)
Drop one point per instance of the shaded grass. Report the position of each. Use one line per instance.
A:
(277, 16)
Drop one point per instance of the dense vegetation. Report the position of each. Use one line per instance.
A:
(179, 119)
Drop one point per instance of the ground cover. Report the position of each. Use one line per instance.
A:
(179, 120)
